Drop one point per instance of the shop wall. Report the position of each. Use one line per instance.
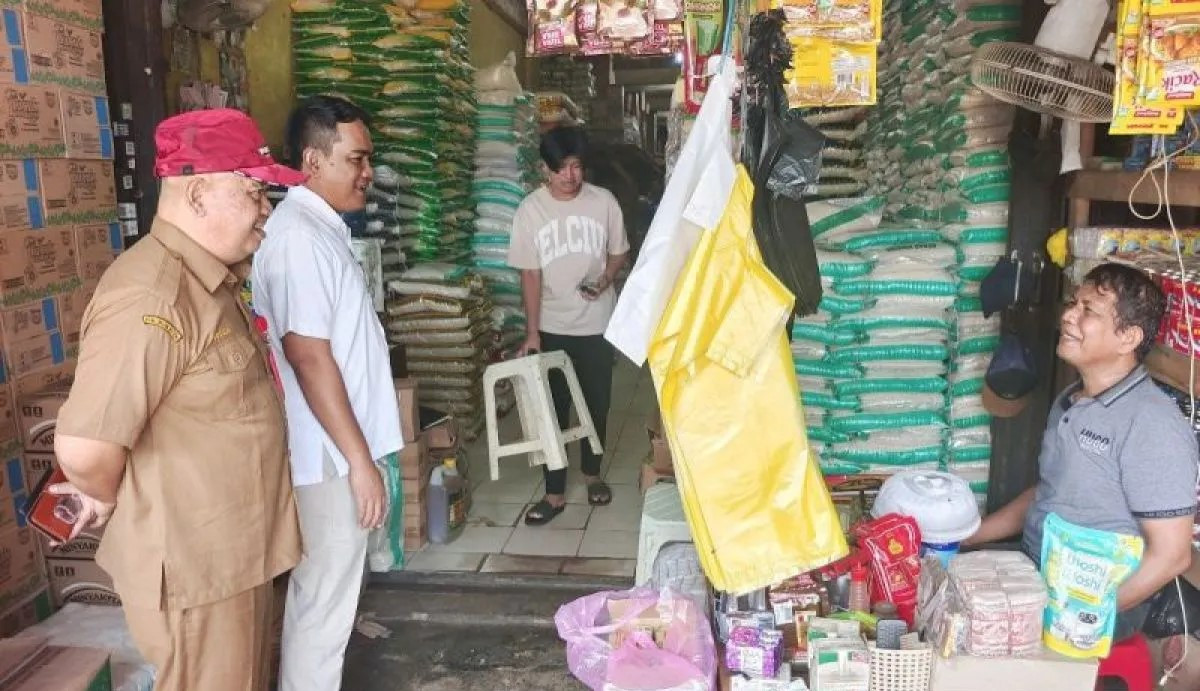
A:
(269, 70)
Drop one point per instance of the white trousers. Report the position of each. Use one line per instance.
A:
(324, 590)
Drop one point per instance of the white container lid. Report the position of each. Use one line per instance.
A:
(942, 504)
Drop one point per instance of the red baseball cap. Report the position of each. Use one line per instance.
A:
(221, 140)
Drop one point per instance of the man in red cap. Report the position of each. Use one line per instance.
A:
(173, 434)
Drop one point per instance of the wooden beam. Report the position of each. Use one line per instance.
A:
(1117, 186)
(646, 77)
(512, 12)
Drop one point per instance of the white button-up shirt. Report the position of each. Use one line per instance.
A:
(306, 281)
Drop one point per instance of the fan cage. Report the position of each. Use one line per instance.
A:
(1044, 81)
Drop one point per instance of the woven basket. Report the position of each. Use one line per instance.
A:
(901, 670)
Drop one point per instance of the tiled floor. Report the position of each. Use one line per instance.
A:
(584, 541)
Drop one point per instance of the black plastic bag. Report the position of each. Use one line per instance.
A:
(1164, 618)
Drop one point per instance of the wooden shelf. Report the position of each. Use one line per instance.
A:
(1171, 368)
(1114, 186)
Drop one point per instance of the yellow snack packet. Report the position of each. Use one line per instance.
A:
(1172, 61)
(831, 73)
(1167, 8)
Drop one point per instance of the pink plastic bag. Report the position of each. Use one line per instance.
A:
(687, 660)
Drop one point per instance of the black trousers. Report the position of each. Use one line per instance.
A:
(592, 358)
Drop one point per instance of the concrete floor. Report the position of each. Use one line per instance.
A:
(472, 632)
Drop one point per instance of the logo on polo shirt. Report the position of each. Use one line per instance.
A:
(1094, 442)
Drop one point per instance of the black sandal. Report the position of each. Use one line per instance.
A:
(599, 493)
(542, 513)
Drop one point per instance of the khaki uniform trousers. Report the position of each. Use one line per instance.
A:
(222, 646)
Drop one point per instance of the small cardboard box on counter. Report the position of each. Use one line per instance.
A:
(64, 54)
(80, 580)
(33, 123)
(37, 415)
(77, 192)
(20, 195)
(86, 127)
(406, 398)
(30, 664)
(36, 264)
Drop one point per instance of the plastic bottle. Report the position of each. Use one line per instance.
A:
(859, 600)
(437, 507)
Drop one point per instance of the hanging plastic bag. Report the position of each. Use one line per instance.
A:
(638, 639)
(724, 374)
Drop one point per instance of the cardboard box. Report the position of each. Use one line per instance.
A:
(42, 380)
(38, 415)
(21, 573)
(415, 491)
(37, 466)
(76, 192)
(14, 61)
(45, 667)
(441, 437)
(36, 264)
(96, 248)
(21, 616)
(415, 462)
(410, 418)
(651, 477)
(8, 415)
(1044, 671)
(82, 548)
(28, 320)
(80, 580)
(70, 307)
(64, 54)
(32, 354)
(87, 129)
(85, 13)
(30, 122)
(20, 195)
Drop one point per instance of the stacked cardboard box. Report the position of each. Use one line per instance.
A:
(415, 465)
(58, 233)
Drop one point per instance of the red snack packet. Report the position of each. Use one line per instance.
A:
(893, 543)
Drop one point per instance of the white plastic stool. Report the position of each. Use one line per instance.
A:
(663, 523)
(541, 437)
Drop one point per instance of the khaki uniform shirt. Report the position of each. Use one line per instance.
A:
(171, 368)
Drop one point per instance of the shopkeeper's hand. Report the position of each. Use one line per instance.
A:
(93, 513)
(532, 344)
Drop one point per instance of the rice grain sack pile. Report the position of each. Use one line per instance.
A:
(408, 68)
(442, 315)
(843, 168)
(574, 78)
(506, 170)
(936, 149)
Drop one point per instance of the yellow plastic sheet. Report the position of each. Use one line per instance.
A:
(754, 498)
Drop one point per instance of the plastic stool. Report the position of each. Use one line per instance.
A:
(663, 523)
(541, 437)
(1130, 662)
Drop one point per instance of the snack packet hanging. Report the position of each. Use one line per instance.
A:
(1083, 568)
(552, 27)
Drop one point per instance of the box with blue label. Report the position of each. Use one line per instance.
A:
(24, 574)
(86, 126)
(20, 195)
(32, 354)
(64, 54)
(14, 61)
(96, 248)
(29, 320)
(77, 191)
(85, 13)
(32, 122)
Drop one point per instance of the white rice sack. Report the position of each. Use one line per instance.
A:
(933, 256)
(900, 402)
(844, 216)
(990, 214)
(815, 384)
(903, 369)
(975, 325)
(808, 350)
(913, 302)
(906, 336)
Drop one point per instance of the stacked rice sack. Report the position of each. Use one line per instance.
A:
(408, 68)
(572, 77)
(937, 152)
(505, 172)
(843, 167)
(444, 318)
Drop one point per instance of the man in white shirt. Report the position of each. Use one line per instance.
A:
(342, 413)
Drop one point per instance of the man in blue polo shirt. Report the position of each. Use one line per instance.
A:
(1116, 454)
